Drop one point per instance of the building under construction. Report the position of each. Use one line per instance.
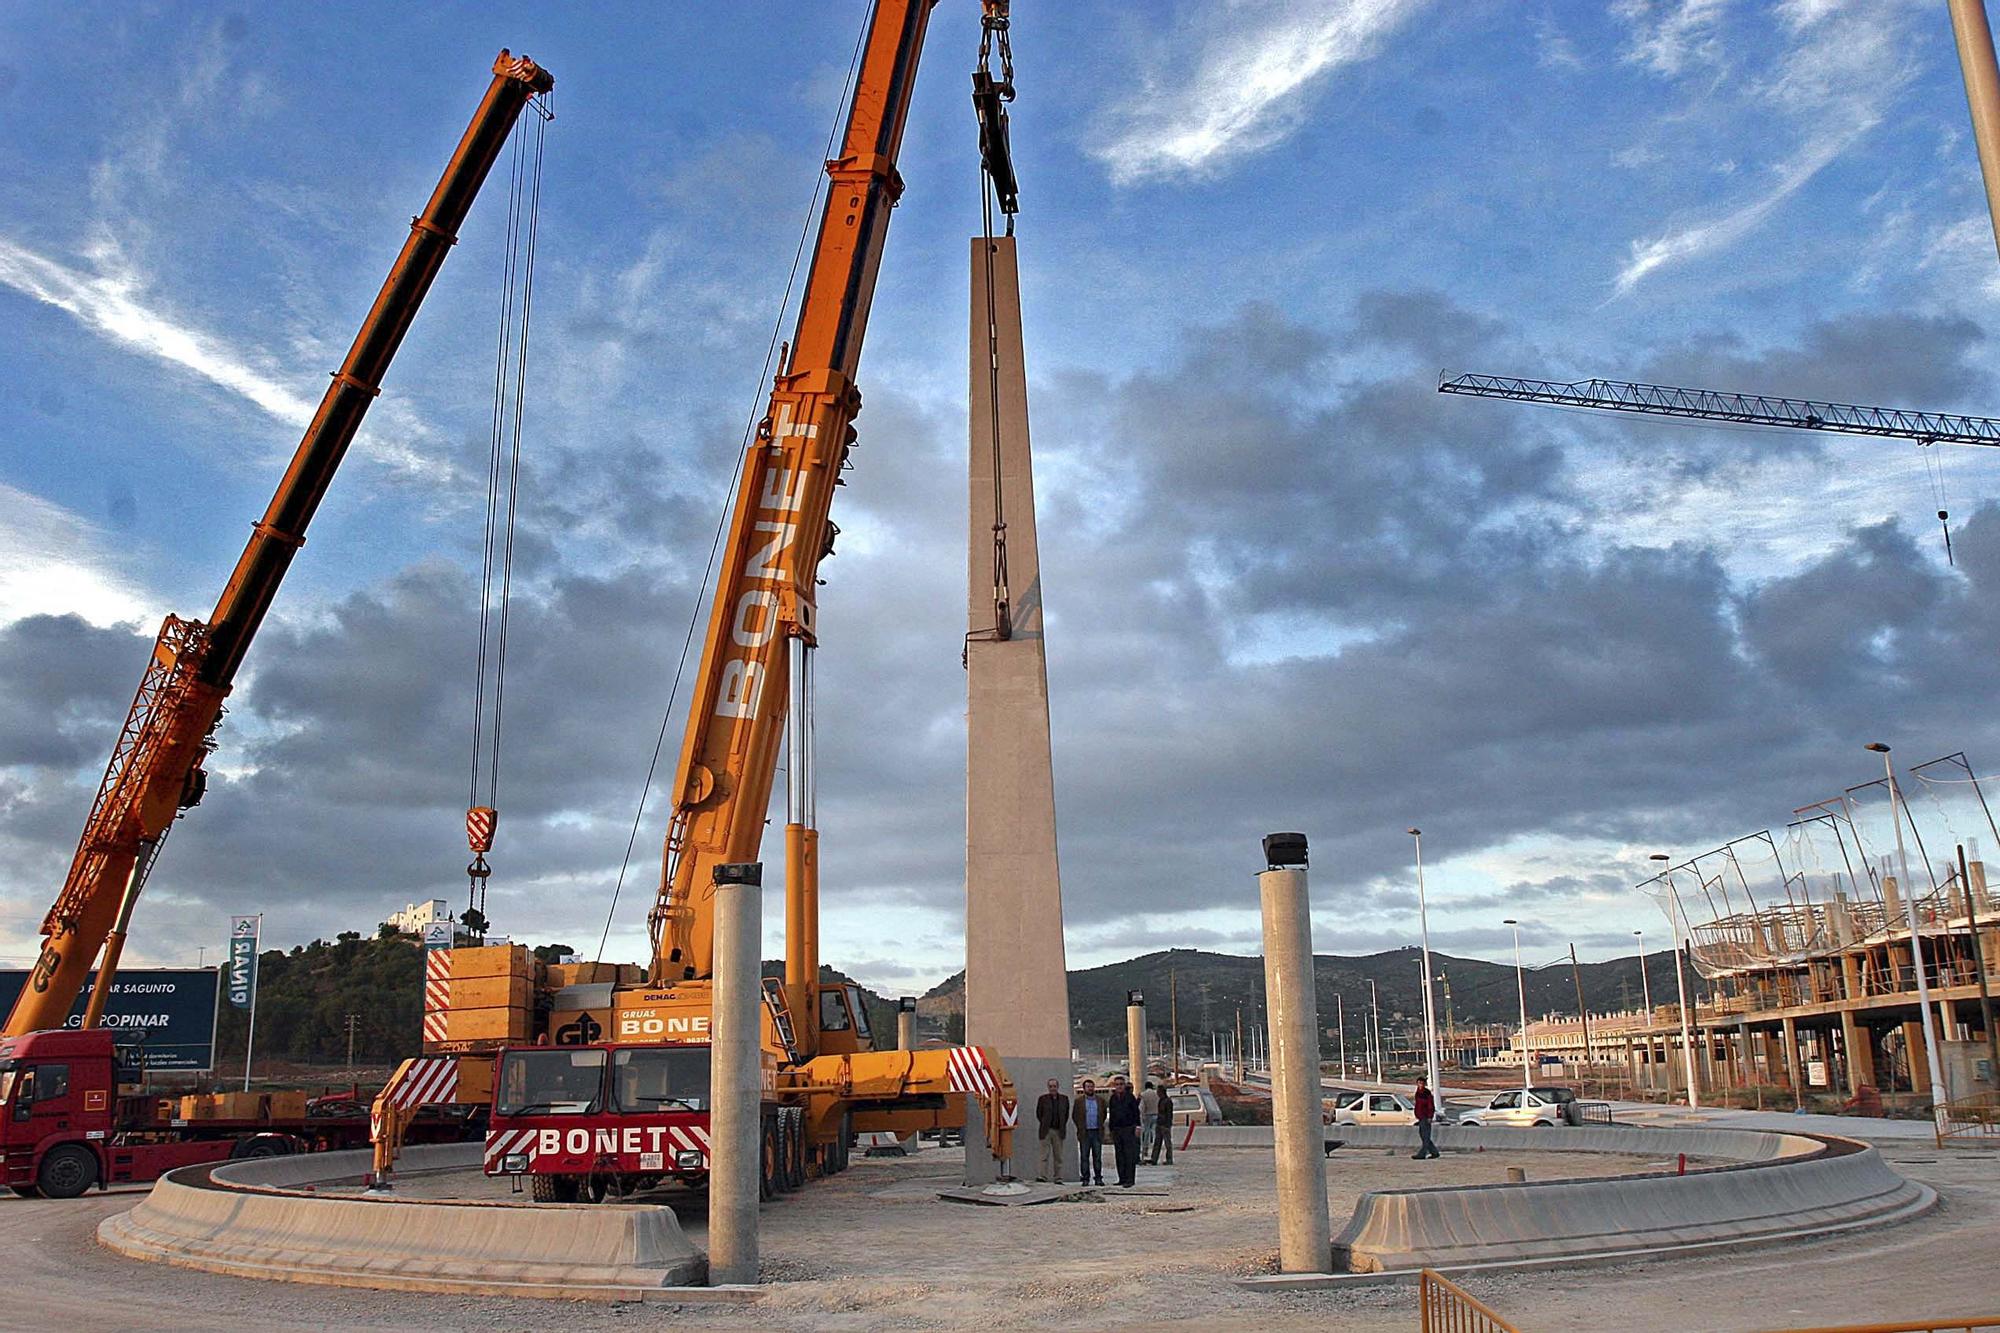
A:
(1806, 941)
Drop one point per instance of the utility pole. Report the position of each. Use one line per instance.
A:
(1576, 975)
(1938, 1090)
(352, 1019)
(1239, 1045)
(1341, 1021)
(1375, 1022)
(1982, 94)
(1979, 964)
(1174, 1016)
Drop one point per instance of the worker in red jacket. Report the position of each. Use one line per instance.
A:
(1426, 1112)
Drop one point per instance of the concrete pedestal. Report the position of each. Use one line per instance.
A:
(736, 1074)
(1016, 983)
(1305, 1231)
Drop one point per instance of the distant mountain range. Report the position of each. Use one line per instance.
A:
(1207, 989)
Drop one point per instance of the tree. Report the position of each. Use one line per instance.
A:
(474, 922)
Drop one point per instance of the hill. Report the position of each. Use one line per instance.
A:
(1208, 988)
(306, 995)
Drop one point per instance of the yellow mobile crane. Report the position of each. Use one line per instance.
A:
(598, 1076)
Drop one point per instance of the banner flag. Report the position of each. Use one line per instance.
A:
(243, 960)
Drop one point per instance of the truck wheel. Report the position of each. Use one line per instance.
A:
(552, 1189)
(795, 1153)
(67, 1172)
(767, 1160)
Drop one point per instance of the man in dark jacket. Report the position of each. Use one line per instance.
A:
(1162, 1111)
(1426, 1106)
(1052, 1125)
(1089, 1116)
(1125, 1117)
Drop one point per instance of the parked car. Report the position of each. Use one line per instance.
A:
(1527, 1107)
(1195, 1106)
(1377, 1108)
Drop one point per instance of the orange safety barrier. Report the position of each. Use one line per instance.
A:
(1977, 1116)
(1446, 1307)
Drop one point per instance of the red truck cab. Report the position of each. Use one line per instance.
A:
(599, 1118)
(59, 1119)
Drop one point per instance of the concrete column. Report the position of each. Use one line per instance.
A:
(1135, 1039)
(1857, 1043)
(1789, 1037)
(735, 1076)
(1305, 1231)
(906, 1024)
(1016, 985)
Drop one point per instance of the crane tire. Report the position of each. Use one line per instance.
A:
(767, 1159)
(795, 1156)
(544, 1188)
(66, 1172)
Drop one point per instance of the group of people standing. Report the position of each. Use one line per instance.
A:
(1123, 1115)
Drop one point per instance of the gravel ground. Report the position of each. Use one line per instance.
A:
(874, 1248)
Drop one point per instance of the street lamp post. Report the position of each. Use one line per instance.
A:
(1340, 1022)
(1521, 986)
(1424, 937)
(1646, 989)
(1680, 981)
(1375, 1026)
(1916, 940)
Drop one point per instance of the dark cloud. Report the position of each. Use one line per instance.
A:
(1288, 585)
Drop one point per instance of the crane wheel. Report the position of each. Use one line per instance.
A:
(795, 1149)
(66, 1172)
(768, 1160)
(552, 1189)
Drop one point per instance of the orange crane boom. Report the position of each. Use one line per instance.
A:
(761, 626)
(156, 767)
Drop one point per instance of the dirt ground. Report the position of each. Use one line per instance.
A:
(874, 1248)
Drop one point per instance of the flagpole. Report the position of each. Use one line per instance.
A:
(250, 1038)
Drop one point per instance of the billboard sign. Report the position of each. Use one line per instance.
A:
(167, 1015)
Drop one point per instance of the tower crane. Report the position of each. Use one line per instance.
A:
(156, 769)
(1665, 400)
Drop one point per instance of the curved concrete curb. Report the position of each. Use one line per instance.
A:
(251, 1219)
(1730, 1145)
(1846, 1182)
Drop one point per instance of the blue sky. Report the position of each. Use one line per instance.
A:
(1287, 584)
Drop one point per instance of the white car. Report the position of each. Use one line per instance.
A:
(1517, 1108)
(1377, 1108)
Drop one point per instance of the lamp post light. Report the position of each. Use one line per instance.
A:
(1680, 981)
(1375, 1024)
(1521, 986)
(1424, 937)
(1646, 989)
(1916, 940)
(1340, 1021)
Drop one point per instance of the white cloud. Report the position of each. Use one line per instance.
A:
(1670, 37)
(1684, 243)
(54, 563)
(1246, 87)
(1844, 64)
(109, 302)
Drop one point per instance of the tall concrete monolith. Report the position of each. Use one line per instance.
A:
(735, 1076)
(1305, 1230)
(1016, 983)
(906, 1024)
